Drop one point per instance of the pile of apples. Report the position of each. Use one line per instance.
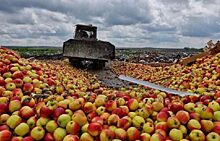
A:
(51, 100)
(202, 77)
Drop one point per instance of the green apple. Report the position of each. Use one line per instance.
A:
(32, 121)
(175, 134)
(22, 129)
(173, 122)
(216, 116)
(51, 126)
(193, 124)
(197, 135)
(189, 107)
(86, 137)
(214, 106)
(59, 134)
(42, 121)
(212, 136)
(138, 121)
(148, 127)
(13, 121)
(63, 120)
(37, 133)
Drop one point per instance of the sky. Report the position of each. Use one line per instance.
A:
(124, 23)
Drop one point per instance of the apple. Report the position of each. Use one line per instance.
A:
(121, 134)
(124, 122)
(133, 133)
(22, 129)
(132, 104)
(89, 107)
(42, 121)
(4, 127)
(189, 107)
(59, 133)
(26, 112)
(184, 130)
(28, 138)
(7, 93)
(216, 127)
(212, 136)
(86, 137)
(29, 101)
(91, 115)
(183, 116)
(14, 105)
(13, 121)
(7, 75)
(32, 121)
(46, 111)
(157, 137)
(216, 116)
(197, 135)
(94, 129)
(148, 127)
(17, 92)
(195, 116)
(75, 105)
(5, 135)
(113, 119)
(110, 105)
(84, 128)
(162, 116)
(143, 112)
(193, 124)
(71, 138)
(214, 106)
(100, 101)
(138, 121)
(51, 126)
(37, 133)
(107, 135)
(100, 110)
(145, 137)
(206, 125)
(162, 125)
(48, 137)
(176, 106)
(4, 118)
(173, 122)
(27, 79)
(79, 117)
(72, 128)
(18, 74)
(57, 112)
(17, 138)
(97, 119)
(175, 134)
(10, 86)
(28, 87)
(60, 89)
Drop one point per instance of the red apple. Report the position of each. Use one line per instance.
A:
(94, 129)
(183, 116)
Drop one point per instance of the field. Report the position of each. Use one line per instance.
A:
(43, 97)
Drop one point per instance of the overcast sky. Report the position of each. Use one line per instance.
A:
(125, 23)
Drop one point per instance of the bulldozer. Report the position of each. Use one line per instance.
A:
(209, 49)
(85, 47)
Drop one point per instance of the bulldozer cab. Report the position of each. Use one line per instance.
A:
(85, 32)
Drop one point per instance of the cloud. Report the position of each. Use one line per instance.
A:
(161, 23)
